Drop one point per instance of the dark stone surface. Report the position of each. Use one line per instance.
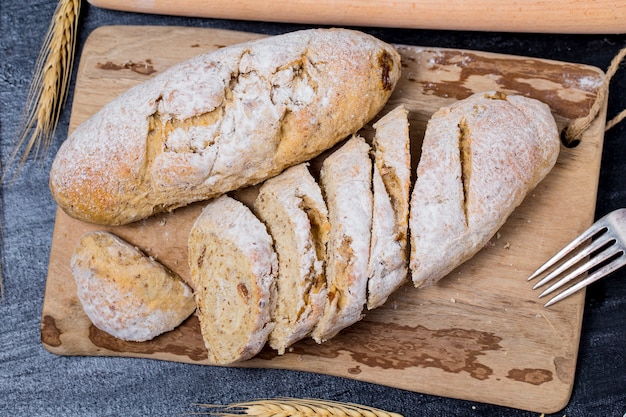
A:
(34, 382)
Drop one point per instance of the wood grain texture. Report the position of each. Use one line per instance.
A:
(479, 334)
(559, 16)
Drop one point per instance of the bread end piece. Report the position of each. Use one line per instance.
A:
(480, 158)
(126, 293)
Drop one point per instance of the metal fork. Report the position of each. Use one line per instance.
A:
(604, 254)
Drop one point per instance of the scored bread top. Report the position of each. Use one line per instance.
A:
(292, 208)
(221, 121)
(388, 263)
(126, 293)
(480, 158)
(346, 178)
(233, 270)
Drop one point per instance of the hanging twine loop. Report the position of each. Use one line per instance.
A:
(571, 135)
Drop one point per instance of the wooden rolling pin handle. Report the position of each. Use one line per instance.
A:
(538, 16)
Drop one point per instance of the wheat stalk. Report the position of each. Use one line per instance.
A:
(48, 88)
(50, 83)
(295, 407)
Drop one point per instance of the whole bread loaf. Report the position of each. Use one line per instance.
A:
(126, 293)
(480, 158)
(221, 121)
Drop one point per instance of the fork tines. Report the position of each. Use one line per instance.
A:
(604, 253)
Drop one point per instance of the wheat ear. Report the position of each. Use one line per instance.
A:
(295, 407)
(50, 83)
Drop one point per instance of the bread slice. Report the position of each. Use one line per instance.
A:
(346, 180)
(292, 208)
(126, 293)
(233, 269)
(388, 262)
(480, 157)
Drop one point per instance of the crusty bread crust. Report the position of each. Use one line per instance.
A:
(221, 121)
(292, 208)
(388, 263)
(233, 269)
(480, 158)
(126, 293)
(346, 181)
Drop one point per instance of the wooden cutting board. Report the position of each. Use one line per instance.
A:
(480, 334)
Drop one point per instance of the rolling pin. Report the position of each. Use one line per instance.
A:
(537, 16)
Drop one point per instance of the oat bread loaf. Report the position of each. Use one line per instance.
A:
(220, 121)
(391, 180)
(233, 270)
(292, 208)
(346, 181)
(126, 293)
(480, 158)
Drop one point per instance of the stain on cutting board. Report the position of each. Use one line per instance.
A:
(530, 375)
(450, 74)
(143, 68)
(185, 340)
(392, 346)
